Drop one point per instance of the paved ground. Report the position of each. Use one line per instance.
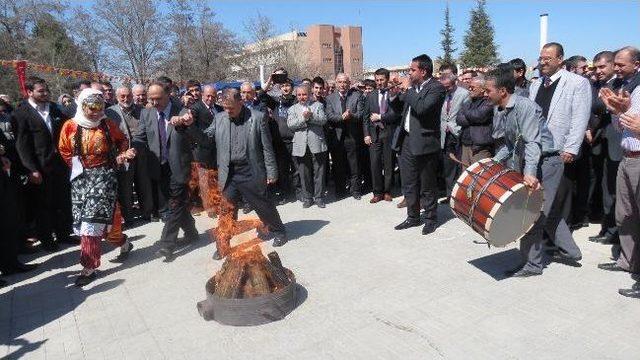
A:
(369, 292)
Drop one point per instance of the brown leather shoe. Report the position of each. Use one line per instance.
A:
(375, 199)
(388, 197)
(402, 204)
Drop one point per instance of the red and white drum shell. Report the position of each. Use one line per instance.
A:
(495, 202)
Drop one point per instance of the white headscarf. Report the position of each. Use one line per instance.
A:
(80, 118)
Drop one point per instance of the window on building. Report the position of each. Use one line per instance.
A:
(338, 66)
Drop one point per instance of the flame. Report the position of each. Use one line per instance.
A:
(227, 227)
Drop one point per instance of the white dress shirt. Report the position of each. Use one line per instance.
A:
(43, 110)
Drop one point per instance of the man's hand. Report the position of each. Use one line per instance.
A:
(35, 178)
(532, 182)
(567, 157)
(271, 181)
(367, 140)
(375, 117)
(616, 103)
(589, 137)
(306, 114)
(346, 115)
(631, 122)
(6, 164)
(130, 153)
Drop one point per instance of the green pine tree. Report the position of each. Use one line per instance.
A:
(480, 49)
(447, 41)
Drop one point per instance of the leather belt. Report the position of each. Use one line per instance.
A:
(632, 154)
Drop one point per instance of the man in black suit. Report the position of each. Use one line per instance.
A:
(380, 121)
(344, 110)
(38, 122)
(417, 139)
(203, 113)
(169, 164)
(126, 115)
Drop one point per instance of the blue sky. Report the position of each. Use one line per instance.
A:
(395, 31)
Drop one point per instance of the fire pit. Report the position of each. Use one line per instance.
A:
(249, 288)
(249, 292)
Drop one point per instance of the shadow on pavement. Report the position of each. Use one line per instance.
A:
(25, 347)
(495, 265)
(299, 228)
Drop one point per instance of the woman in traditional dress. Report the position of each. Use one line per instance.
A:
(93, 146)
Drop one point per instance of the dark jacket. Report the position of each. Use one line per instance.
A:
(279, 106)
(476, 120)
(390, 119)
(35, 144)
(426, 107)
(178, 145)
(338, 128)
(205, 149)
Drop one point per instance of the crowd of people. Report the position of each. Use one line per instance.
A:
(102, 160)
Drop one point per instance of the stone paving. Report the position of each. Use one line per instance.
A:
(369, 292)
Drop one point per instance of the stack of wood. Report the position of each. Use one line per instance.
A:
(247, 273)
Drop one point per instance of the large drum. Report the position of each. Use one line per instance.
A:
(495, 202)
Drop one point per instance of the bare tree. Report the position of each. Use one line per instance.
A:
(87, 36)
(134, 34)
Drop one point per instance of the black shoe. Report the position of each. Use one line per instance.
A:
(18, 268)
(610, 267)
(320, 203)
(636, 285)
(509, 273)
(154, 218)
(50, 246)
(123, 255)
(3, 283)
(247, 209)
(307, 204)
(428, 228)
(83, 280)
(168, 254)
(409, 223)
(279, 240)
(630, 293)
(525, 273)
(73, 240)
(357, 196)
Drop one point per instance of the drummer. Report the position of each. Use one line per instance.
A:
(528, 149)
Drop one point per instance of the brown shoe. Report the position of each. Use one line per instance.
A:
(388, 197)
(402, 204)
(375, 199)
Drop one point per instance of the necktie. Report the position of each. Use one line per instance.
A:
(449, 97)
(547, 81)
(211, 111)
(162, 130)
(343, 103)
(383, 102)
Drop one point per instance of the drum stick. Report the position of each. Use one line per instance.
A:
(454, 158)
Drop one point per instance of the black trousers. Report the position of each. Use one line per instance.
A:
(352, 152)
(242, 185)
(610, 171)
(311, 168)
(160, 191)
(288, 177)
(52, 201)
(564, 197)
(451, 168)
(136, 177)
(419, 176)
(382, 164)
(12, 209)
(178, 217)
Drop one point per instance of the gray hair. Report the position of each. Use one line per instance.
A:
(303, 87)
(246, 83)
(122, 88)
(230, 94)
(139, 86)
(343, 75)
(212, 87)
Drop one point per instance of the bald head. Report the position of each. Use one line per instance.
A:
(626, 62)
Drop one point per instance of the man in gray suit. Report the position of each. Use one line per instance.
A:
(309, 146)
(246, 160)
(455, 98)
(344, 110)
(169, 161)
(565, 99)
(126, 115)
